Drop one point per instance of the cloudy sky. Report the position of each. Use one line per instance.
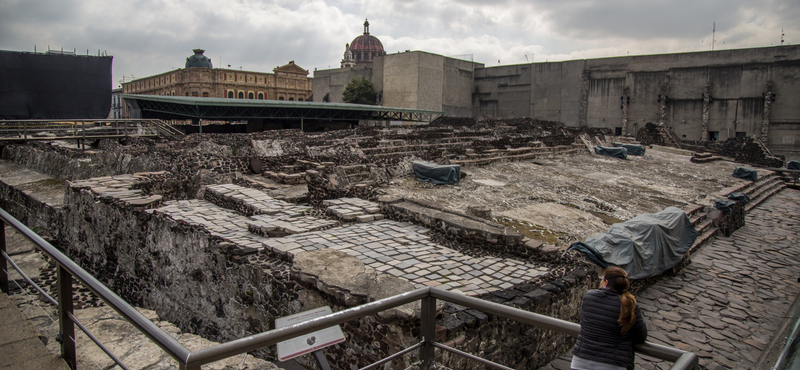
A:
(146, 37)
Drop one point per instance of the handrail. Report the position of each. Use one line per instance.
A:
(194, 360)
(151, 330)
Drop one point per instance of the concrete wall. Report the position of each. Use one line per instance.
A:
(414, 80)
(333, 81)
(588, 92)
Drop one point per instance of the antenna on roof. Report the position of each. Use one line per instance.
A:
(713, 31)
(782, 34)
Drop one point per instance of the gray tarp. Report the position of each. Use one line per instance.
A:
(620, 153)
(437, 174)
(745, 173)
(632, 149)
(645, 245)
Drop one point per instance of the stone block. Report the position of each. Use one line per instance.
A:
(365, 218)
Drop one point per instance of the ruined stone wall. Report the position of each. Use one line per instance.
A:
(506, 341)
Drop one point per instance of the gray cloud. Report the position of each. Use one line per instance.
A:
(153, 36)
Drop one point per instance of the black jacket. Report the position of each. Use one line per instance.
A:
(600, 339)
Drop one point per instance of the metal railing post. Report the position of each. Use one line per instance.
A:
(192, 366)
(428, 332)
(3, 263)
(65, 323)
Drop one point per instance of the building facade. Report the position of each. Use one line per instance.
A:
(200, 79)
(712, 95)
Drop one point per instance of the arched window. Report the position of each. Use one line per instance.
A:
(250, 95)
(261, 96)
(280, 98)
(187, 93)
(241, 95)
(230, 94)
(194, 93)
(291, 99)
(205, 94)
(299, 99)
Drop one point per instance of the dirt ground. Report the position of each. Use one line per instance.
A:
(564, 199)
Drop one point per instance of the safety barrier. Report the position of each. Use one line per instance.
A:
(193, 360)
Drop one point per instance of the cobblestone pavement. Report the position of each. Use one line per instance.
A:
(726, 305)
(401, 249)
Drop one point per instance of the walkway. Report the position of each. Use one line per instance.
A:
(19, 337)
(727, 304)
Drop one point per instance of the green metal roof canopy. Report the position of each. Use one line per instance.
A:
(184, 107)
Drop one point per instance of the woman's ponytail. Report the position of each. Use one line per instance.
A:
(618, 281)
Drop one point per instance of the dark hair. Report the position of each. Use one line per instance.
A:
(618, 281)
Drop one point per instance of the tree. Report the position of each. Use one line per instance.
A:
(359, 92)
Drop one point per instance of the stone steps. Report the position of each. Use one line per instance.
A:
(561, 150)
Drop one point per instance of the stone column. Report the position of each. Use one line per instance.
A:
(625, 100)
(583, 114)
(768, 96)
(706, 108)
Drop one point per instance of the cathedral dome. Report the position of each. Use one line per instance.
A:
(198, 60)
(363, 48)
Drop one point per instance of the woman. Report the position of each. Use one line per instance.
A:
(610, 325)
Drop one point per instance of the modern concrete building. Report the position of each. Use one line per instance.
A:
(200, 79)
(711, 95)
(412, 79)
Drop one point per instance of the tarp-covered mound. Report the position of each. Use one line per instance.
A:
(745, 173)
(633, 149)
(793, 165)
(645, 245)
(620, 153)
(437, 174)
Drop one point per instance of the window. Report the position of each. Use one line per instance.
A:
(713, 135)
(299, 99)
(187, 93)
(230, 94)
(250, 95)
(261, 96)
(291, 99)
(741, 134)
(241, 95)
(617, 131)
(281, 98)
(194, 93)
(205, 94)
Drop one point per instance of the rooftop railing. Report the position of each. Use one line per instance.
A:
(67, 270)
(27, 130)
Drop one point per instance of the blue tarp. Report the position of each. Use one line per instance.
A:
(632, 149)
(745, 173)
(645, 245)
(437, 174)
(793, 165)
(620, 153)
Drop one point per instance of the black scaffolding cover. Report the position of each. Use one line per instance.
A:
(54, 86)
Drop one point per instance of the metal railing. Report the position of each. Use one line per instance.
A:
(193, 360)
(25, 130)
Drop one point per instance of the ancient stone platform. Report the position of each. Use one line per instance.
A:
(730, 301)
(400, 249)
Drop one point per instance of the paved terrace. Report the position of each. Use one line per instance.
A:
(730, 301)
(401, 249)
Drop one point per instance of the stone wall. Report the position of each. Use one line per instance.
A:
(223, 291)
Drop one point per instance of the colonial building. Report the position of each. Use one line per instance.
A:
(199, 78)
(362, 50)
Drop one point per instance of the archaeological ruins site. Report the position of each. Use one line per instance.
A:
(219, 235)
